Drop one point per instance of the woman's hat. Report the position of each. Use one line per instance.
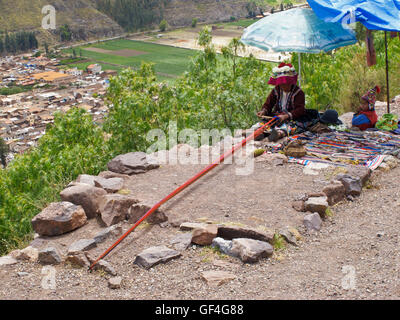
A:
(370, 97)
(285, 73)
(330, 116)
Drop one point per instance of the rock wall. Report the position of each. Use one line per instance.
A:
(181, 12)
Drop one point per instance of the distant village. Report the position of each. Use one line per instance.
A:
(24, 116)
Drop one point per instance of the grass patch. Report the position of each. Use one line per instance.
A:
(209, 253)
(279, 242)
(169, 61)
(241, 23)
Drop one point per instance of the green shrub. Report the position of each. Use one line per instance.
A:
(163, 25)
(194, 22)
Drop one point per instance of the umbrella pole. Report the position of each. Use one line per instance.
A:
(387, 73)
(299, 69)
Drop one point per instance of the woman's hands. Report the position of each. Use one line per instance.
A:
(283, 117)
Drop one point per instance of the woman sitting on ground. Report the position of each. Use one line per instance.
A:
(287, 100)
(366, 116)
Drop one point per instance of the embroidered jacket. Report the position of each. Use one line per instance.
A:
(294, 107)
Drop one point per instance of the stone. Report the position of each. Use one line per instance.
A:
(114, 208)
(111, 185)
(85, 195)
(225, 246)
(250, 250)
(190, 226)
(78, 259)
(113, 231)
(182, 241)
(391, 161)
(22, 274)
(81, 245)
(105, 266)
(298, 205)
(49, 255)
(232, 232)
(204, 236)
(274, 159)
(86, 178)
(137, 211)
(352, 185)
(312, 222)
(115, 283)
(155, 255)
(131, 163)
(59, 218)
(363, 173)
(28, 254)
(335, 192)
(7, 261)
(314, 168)
(291, 235)
(317, 204)
(110, 174)
(217, 278)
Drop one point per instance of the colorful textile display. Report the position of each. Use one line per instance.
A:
(349, 148)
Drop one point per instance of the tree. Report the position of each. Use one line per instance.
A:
(4, 150)
(194, 22)
(163, 25)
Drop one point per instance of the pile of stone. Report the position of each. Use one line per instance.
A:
(247, 244)
(344, 186)
(97, 197)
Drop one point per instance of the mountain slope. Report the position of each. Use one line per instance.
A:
(83, 18)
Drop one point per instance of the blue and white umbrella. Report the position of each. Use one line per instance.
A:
(297, 30)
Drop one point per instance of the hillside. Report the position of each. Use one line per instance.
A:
(83, 18)
(181, 12)
(86, 21)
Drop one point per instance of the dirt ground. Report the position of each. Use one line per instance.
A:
(354, 256)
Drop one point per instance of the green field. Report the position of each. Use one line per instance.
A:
(169, 62)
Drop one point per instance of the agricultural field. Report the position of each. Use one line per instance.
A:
(169, 62)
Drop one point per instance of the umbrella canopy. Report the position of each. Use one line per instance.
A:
(297, 30)
(373, 14)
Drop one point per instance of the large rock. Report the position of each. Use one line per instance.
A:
(335, 192)
(317, 204)
(7, 261)
(49, 255)
(111, 185)
(81, 245)
(155, 255)
(225, 246)
(114, 208)
(190, 226)
(363, 173)
(104, 266)
(78, 259)
(250, 250)
(28, 254)
(204, 236)
(291, 235)
(216, 278)
(137, 211)
(352, 185)
(232, 232)
(103, 235)
(59, 218)
(131, 163)
(182, 241)
(110, 174)
(312, 222)
(85, 195)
